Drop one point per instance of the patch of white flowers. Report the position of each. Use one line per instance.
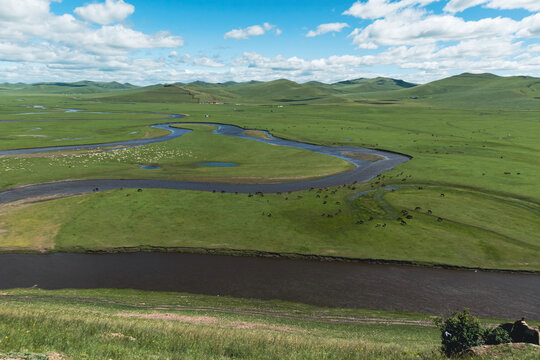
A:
(134, 155)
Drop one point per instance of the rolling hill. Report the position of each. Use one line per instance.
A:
(474, 91)
(469, 91)
(80, 87)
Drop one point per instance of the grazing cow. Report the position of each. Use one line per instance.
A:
(442, 195)
(430, 212)
(439, 219)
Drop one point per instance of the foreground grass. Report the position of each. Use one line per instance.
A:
(102, 324)
(129, 324)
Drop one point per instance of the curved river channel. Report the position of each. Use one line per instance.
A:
(340, 284)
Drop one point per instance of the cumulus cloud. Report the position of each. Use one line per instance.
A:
(455, 6)
(326, 28)
(111, 11)
(34, 40)
(375, 9)
(254, 30)
(206, 62)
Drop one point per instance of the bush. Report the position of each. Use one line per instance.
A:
(460, 332)
(497, 336)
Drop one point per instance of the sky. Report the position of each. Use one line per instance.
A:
(166, 41)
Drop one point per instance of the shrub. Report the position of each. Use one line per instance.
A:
(460, 332)
(497, 336)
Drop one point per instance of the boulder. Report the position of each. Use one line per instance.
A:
(521, 332)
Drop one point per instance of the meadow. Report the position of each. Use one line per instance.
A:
(469, 197)
(482, 161)
(129, 324)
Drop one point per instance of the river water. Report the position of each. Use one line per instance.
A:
(355, 285)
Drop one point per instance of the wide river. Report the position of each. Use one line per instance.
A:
(357, 285)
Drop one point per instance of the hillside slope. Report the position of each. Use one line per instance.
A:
(474, 91)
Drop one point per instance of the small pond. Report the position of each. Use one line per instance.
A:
(149, 167)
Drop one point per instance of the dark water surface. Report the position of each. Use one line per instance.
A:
(387, 287)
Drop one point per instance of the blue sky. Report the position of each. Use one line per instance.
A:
(158, 41)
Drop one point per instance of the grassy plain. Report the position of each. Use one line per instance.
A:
(484, 161)
(477, 146)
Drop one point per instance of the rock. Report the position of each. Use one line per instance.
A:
(492, 351)
(521, 332)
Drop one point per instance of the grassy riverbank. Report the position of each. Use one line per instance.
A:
(309, 222)
(126, 324)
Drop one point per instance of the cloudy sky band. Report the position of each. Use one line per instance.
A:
(416, 40)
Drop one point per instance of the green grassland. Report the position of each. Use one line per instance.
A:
(178, 160)
(127, 324)
(483, 161)
(472, 138)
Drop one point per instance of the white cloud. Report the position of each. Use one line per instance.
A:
(254, 30)
(111, 11)
(206, 62)
(65, 31)
(23, 9)
(455, 6)
(326, 28)
(375, 9)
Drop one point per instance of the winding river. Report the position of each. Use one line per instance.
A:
(341, 284)
(363, 170)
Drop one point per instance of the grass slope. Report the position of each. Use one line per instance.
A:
(475, 91)
(80, 87)
(127, 324)
(157, 93)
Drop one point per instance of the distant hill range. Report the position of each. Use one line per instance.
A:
(462, 91)
(80, 87)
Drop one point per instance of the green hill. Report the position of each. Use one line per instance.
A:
(469, 91)
(474, 91)
(158, 94)
(372, 85)
(80, 87)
